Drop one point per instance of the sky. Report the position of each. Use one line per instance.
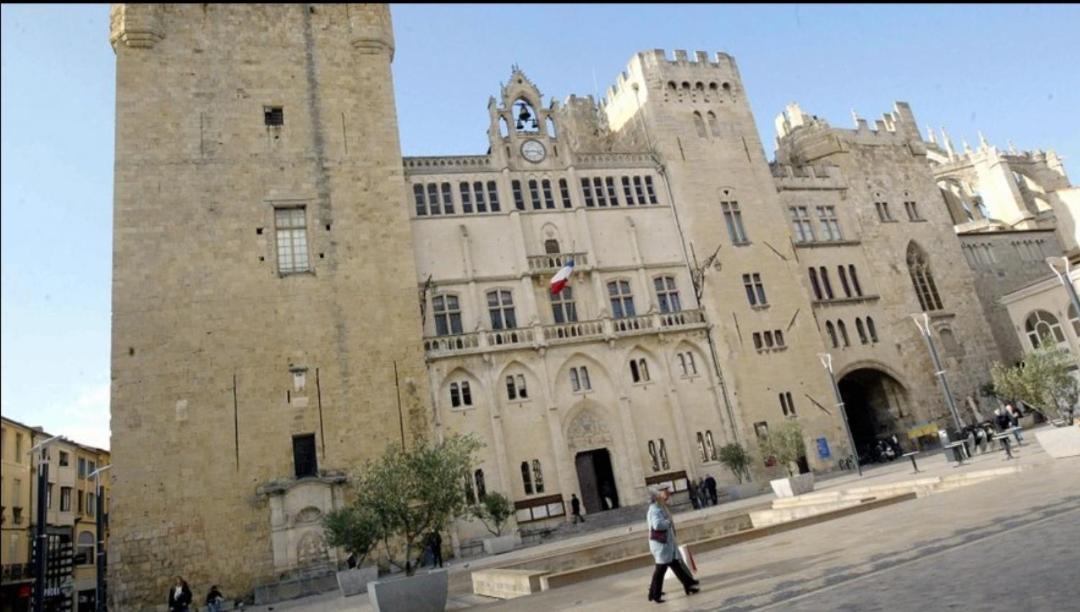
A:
(1010, 71)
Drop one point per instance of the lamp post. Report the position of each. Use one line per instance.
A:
(41, 538)
(923, 323)
(826, 362)
(99, 518)
(1060, 266)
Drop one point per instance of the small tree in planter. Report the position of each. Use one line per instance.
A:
(1042, 380)
(735, 457)
(493, 511)
(356, 529)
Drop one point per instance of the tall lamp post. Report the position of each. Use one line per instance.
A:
(826, 361)
(99, 518)
(1060, 266)
(922, 321)
(41, 543)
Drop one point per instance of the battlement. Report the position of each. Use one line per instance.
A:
(806, 176)
(658, 58)
(896, 126)
(654, 69)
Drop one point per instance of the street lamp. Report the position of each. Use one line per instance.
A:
(1060, 266)
(923, 323)
(99, 522)
(40, 541)
(826, 362)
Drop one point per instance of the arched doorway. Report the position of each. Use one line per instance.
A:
(875, 404)
(596, 481)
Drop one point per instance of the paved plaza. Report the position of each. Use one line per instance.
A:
(995, 545)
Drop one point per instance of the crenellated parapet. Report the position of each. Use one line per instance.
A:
(806, 177)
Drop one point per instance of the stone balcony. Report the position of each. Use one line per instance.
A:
(541, 336)
(552, 262)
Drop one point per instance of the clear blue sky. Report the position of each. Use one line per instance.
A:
(1011, 71)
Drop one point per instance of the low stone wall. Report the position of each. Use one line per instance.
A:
(506, 583)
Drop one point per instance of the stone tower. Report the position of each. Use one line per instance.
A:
(694, 116)
(266, 326)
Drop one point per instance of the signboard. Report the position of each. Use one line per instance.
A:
(59, 582)
(823, 448)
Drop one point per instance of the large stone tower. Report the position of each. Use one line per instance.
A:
(266, 327)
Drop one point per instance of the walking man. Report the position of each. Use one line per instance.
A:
(710, 484)
(575, 506)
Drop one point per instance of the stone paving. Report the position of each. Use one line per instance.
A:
(831, 559)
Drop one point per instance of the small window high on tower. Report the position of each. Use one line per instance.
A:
(274, 116)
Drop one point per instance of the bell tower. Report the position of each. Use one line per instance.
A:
(523, 135)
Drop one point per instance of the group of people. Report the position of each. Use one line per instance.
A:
(703, 492)
(180, 597)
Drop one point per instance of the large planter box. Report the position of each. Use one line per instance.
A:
(355, 581)
(423, 592)
(790, 487)
(501, 544)
(1060, 441)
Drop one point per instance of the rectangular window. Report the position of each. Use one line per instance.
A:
(292, 247)
(563, 307)
(883, 212)
(613, 197)
(800, 222)
(830, 227)
(638, 190)
(466, 395)
(79, 496)
(622, 301)
(91, 504)
(534, 195)
(758, 344)
(421, 204)
(649, 189)
(586, 190)
(787, 404)
(65, 499)
(63, 458)
(564, 192)
(755, 290)
(447, 315)
(549, 201)
(493, 196)
(82, 467)
(501, 309)
(455, 395)
(733, 218)
(466, 198)
(519, 199)
(478, 192)
(522, 393)
(274, 116)
(433, 199)
(598, 191)
(779, 336)
(666, 294)
(305, 462)
(627, 193)
(448, 198)
(511, 390)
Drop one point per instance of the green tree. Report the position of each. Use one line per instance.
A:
(408, 493)
(493, 511)
(735, 457)
(786, 444)
(356, 529)
(1042, 381)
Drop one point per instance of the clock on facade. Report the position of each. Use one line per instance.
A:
(533, 150)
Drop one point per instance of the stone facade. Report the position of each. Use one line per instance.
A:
(702, 297)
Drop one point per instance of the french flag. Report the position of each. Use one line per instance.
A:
(561, 277)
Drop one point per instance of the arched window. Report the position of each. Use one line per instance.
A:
(948, 340)
(714, 125)
(871, 329)
(854, 280)
(455, 395)
(814, 284)
(666, 294)
(525, 118)
(551, 246)
(481, 488)
(622, 301)
(84, 555)
(634, 374)
(575, 380)
(861, 330)
(501, 309)
(663, 455)
(447, 315)
(526, 478)
(672, 86)
(829, 327)
(701, 447)
(655, 458)
(551, 127)
(478, 193)
(504, 127)
(922, 279)
(643, 368)
(825, 284)
(538, 476)
(699, 87)
(843, 281)
(699, 124)
(843, 333)
(682, 363)
(1041, 326)
(710, 446)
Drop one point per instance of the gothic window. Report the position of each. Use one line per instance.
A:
(652, 455)
(447, 315)
(663, 455)
(598, 191)
(854, 280)
(586, 190)
(699, 124)
(871, 330)
(538, 476)
(912, 211)
(493, 196)
(501, 309)
(421, 204)
(861, 329)
(1041, 326)
(639, 192)
(622, 301)
(639, 370)
(549, 200)
(831, 329)
(733, 218)
(755, 290)
(448, 198)
(830, 227)
(563, 307)
(843, 333)
(534, 195)
(825, 284)
(682, 363)
(455, 395)
(579, 379)
(433, 199)
(481, 487)
(627, 192)
(466, 197)
(515, 387)
(883, 212)
(814, 284)
(564, 191)
(519, 199)
(800, 222)
(843, 280)
(613, 196)
(290, 225)
(634, 374)
(690, 363)
(701, 447)
(526, 478)
(478, 193)
(714, 125)
(666, 294)
(710, 446)
(650, 191)
(922, 279)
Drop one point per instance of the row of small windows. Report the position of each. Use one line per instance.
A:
(436, 199)
(536, 482)
(838, 334)
(822, 286)
(979, 255)
(1043, 328)
(1030, 250)
(603, 191)
(768, 340)
(706, 446)
(885, 215)
(658, 454)
(535, 189)
(801, 222)
(698, 86)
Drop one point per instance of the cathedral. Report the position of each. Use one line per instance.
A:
(291, 293)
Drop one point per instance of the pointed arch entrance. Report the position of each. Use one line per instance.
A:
(590, 440)
(875, 403)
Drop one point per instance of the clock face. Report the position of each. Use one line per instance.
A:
(533, 150)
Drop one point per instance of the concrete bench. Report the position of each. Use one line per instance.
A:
(507, 583)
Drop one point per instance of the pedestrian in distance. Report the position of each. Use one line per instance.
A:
(1014, 421)
(695, 492)
(180, 596)
(214, 599)
(710, 483)
(435, 544)
(663, 546)
(575, 507)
